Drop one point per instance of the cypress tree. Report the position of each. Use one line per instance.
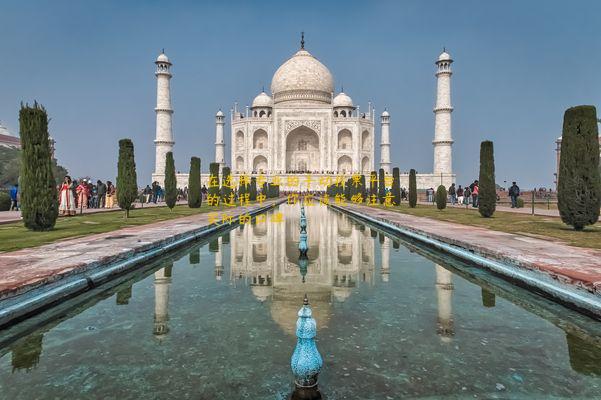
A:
(127, 180)
(487, 197)
(39, 197)
(579, 183)
(363, 188)
(252, 193)
(213, 179)
(441, 197)
(381, 186)
(194, 195)
(373, 184)
(170, 181)
(226, 183)
(242, 189)
(396, 186)
(412, 189)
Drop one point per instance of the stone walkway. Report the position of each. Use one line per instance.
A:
(8, 217)
(576, 266)
(26, 269)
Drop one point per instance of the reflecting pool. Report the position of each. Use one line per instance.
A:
(216, 321)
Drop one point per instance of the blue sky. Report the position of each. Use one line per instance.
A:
(518, 66)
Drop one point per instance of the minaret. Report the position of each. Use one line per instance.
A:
(385, 142)
(444, 294)
(219, 144)
(162, 282)
(385, 270)
(443, 140)
(164, 137)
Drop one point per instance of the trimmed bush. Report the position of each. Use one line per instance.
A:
(253, 189)
(39, 197)
(5, 201)
(396, 186)
(578, 182)
(412, 189)
(441, 197)
(373, 184)
(213, 189)
(226, 183)
(194, 194)
(520, 202)
(381, 186)
(487, 195)
(170, 181)
(127, 180)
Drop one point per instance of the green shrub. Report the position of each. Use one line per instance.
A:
(194, 194)
(127, 180)
(520, 202)
(412, 189)
(226, 184)
(170, 181)
(39, 197)
(5, 201)
(441, 197)
(381, 186)
(252, 193)
(396, 186)
(579, 183)
(213, 188)
(487, 194)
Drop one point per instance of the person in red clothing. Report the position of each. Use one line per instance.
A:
(83, 192)
(475, 192)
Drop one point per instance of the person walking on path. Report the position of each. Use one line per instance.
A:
(430, 194)
(460, 195)
(101, 194)
(475, 192)
(453, 194)
(66, 199)
(514, 193)
(14, 197)
(110, 194)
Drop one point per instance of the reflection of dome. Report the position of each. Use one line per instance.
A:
(262, 292)
(285, 305)
(342, 100)
(302, 77)
(262, 100)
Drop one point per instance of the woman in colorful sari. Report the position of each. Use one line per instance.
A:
(110, 194)
(82, 194)
(66, 198)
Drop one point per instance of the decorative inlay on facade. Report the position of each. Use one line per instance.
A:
(311, 124)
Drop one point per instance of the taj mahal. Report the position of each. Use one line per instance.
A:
(304, 128)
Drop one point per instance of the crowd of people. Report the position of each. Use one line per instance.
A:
(469, 195)
(76, 195)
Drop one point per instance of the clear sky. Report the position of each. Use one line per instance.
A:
(518, 66)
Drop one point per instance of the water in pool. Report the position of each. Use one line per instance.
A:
(216, 321)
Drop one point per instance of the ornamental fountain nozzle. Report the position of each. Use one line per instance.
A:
(303, 246)
(306, 361)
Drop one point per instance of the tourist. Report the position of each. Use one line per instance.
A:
(475, 192)
(155, 192)
(101, 189)
(110, 194)
(66, 199)
(93, 202)
(514, 193)
(82, 194)
(452, 194)
(14, 197)
(467, 195)
(204, 192)
(459, 195)
(430, 194)
(147, 192)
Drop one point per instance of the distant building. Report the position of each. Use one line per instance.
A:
(8, 140)
(558, 154)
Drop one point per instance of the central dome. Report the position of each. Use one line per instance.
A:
(302, 78)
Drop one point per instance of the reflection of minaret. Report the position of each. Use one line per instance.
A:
(385, 248)
(162, 282)
(26, 355)
(218, 260)
(444, 293)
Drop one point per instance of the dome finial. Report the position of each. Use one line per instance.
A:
(163, 50)
(342, 88)
(302, 40)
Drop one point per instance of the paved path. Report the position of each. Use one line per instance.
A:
(8, 217)
(572, 265)
(26, 269)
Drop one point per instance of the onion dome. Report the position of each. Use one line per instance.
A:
(262, 100)
(342, 100)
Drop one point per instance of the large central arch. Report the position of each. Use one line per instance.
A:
(302, 150)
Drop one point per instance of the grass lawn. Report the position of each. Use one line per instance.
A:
(16, 236)
(522, 224)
